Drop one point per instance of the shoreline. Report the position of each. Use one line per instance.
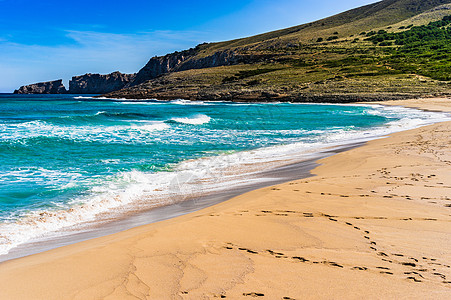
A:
(277, 175)
(263, 174)
(211, 242)
(267, 96)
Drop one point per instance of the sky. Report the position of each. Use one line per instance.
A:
(48, 40)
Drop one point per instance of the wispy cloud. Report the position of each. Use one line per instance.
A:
(91, 51)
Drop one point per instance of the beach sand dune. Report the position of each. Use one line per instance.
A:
(375, 222)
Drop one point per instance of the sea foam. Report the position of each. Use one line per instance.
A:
(127, 191)
(194, 120)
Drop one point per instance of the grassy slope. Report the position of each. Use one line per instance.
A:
(348, 65)
(377, 15)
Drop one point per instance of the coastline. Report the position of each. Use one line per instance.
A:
(118, 209)
(121, 222)
(269, 231)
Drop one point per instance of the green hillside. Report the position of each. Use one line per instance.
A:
(387, 50)
(369, 17)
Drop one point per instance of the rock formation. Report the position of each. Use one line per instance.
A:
(99, 84)
(49, 87)
(84, 84)
(189, 59)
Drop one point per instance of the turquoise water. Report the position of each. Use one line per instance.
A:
(67, 160)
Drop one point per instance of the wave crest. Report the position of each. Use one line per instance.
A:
(194, 120)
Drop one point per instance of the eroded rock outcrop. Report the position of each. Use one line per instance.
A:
(157, 66)
(188, 60)
(99, 84)
(49, 87)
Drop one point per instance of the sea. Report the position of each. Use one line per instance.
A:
(68, 162)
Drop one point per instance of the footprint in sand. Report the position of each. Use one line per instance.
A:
(414, 279)
(439, 274)
(248, 250)
(254, 294)
(274, 253)
(331, 263)
(301, 259)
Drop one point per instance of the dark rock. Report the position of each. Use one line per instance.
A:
(99, 84)
(49, 87)
(189, 59)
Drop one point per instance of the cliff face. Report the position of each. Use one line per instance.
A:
(49, 87)
(178, 61)
(187, 60)
(99, 84)
(161, 65)
(84, 84)
(332, 55)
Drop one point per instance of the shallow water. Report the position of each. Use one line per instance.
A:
(67, 160)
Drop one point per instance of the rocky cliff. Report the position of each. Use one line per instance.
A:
(157, 66)
(189, 60)
(84, 84)
(49, 87)
(99, 84)
(391, 47)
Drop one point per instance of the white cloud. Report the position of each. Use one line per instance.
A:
(261, 16)
(100, 52)
(95, 52)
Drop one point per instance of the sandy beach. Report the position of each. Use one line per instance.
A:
(373, 223)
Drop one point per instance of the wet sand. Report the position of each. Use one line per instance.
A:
(121, 222)
(375, 222)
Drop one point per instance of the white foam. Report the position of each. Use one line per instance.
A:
(83, 97)
(39, 175)
(137, 132)
(138, 190)
(194, 120)
(188, 102)
(152, 126)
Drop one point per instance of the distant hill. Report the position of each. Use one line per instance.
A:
(373, 16)
(391, 49)
(387, 50)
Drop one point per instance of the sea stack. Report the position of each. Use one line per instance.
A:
(49, 87)
(99, 84)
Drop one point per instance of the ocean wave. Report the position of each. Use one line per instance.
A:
(127, 115)
(133, 190)
(194, 120)
(152, 126)
(188, 102)
(144, 190)
(38, 175)
(134, 132)
(83, 97)
(144, 102)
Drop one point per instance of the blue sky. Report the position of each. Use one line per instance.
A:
(48, 40)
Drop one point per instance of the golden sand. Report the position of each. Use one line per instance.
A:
(374, 223)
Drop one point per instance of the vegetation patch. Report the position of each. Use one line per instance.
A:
(425, 50)
(247, 73)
